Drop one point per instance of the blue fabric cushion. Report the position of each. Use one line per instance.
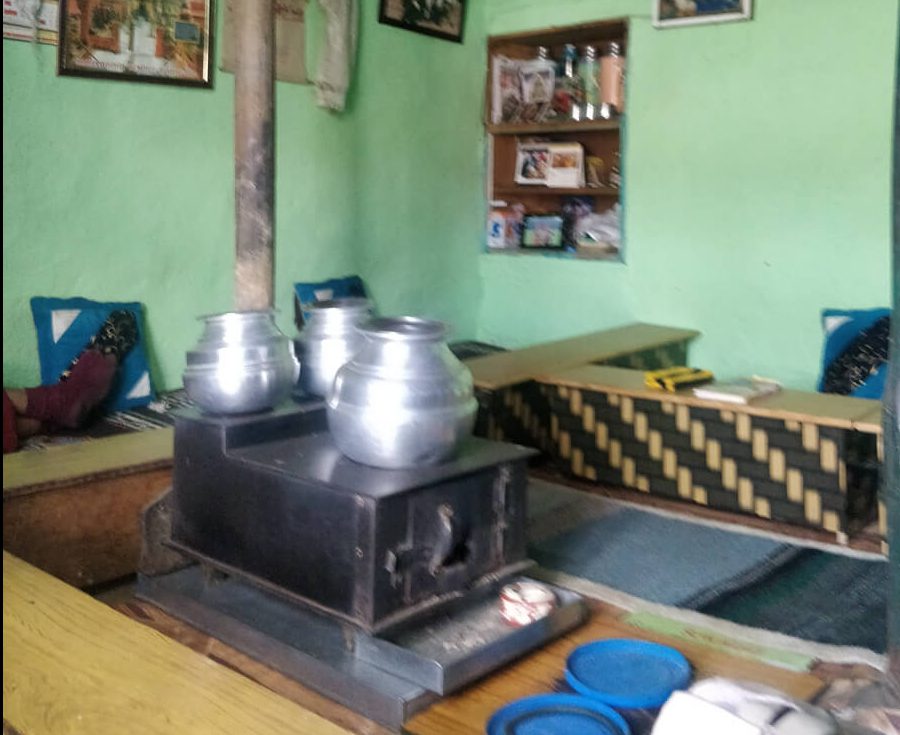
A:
(307, 294)
(841, 327)
(64, 328)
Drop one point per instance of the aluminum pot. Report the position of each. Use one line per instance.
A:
(404, 399)
(242, 364)
(329, 339)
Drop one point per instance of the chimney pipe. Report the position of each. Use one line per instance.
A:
(254, 154)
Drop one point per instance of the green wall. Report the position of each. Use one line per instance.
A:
(124, 191)
(420, 151)
(757, 185)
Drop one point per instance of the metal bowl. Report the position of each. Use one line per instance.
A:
(242, 364)
(404, 400)
(329, 340)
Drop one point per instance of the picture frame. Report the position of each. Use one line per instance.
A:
(675, 13)
(157, 41)
(532, 164)
(543, 231)
(439, 18)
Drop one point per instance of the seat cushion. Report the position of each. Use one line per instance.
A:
(855, 355)
(65, 326)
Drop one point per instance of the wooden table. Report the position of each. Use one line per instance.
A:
(73, 665)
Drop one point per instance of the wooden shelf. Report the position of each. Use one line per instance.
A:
(590, 126)
(602, 191)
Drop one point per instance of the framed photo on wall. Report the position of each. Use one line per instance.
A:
(669, 13)
(440, 18)
(163, 41)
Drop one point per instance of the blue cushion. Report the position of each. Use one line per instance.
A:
(841, 327)
(64, 328)
(307, 294)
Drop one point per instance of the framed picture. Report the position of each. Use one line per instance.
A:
(543, 232)
(532, 163)
(668, 13)
(163, 41)
(440, 18)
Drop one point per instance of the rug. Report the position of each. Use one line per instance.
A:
(753, 579)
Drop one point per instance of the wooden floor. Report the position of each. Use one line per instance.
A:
(467, 712)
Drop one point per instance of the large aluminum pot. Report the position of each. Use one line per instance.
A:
(404, 399)
(242, 364)
(329, 339)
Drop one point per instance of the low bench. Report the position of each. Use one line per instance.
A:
(798, 457)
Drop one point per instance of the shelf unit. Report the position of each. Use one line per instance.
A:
(601, 138)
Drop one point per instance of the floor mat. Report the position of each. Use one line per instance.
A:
(750, 579)
(818, 596)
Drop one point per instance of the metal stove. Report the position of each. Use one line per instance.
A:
(377, 588)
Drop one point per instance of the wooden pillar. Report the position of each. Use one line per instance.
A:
(254, 154)
(891, 425)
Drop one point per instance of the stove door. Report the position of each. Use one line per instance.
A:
(462, 530)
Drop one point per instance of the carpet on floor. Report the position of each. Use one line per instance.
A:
(751, 579)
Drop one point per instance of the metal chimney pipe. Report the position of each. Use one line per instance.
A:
(254, 154)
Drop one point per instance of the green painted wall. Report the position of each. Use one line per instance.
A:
(118, 190)
(757, 185)
(420, 153)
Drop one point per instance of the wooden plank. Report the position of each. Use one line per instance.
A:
(87, 532)
(818, 408)
(150, 615)
(556, 126)
(871, 423)
(516, 366)
(114, 455)
(467, 712)
(606, 30)
(72, 664)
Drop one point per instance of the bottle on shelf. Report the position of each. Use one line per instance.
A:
(568, 99)
(588, 70)
(612, 75)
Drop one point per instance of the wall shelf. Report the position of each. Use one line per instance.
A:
(528, 191)
(547, 128)
(598, 139)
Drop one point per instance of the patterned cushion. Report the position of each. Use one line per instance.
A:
(64, 328)
(855, 359)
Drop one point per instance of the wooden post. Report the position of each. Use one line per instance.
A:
(254, 159)
(891, 428)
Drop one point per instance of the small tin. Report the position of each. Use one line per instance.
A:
(524, 602)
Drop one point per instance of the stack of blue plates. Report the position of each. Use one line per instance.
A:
(627, 674)
(617, 673)
(559, 714)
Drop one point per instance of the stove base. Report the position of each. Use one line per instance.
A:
(387, 679)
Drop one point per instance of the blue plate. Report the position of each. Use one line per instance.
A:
(627, 674)
(560, 714)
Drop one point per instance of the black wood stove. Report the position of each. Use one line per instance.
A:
(377, 588)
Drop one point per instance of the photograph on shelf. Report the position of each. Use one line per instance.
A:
(165, 41)
(566, 167)
(440, 18)
(537, 80)
(669, 13)
(532, 163)
(543, 231)
(506, 92)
